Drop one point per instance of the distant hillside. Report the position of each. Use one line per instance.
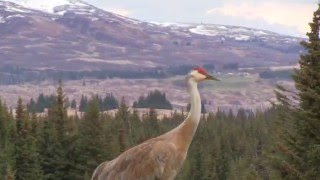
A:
(76, 36)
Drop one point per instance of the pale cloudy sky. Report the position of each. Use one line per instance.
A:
(283, 16)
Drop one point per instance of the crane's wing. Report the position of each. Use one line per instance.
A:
(147, 161)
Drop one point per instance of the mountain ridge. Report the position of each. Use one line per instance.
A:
(83, 37)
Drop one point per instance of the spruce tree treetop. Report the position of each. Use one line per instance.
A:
(307, 78)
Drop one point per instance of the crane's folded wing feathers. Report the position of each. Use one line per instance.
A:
(146, 161)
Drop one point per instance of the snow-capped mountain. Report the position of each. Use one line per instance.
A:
(74, 35)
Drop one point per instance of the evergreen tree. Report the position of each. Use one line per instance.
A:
(27, 158)
(122, 140)
(203, 108)
(154, 100)
(122, 116)
(52, 154)
(110, 102)
(73, 104)
(152, 124)
(31, 106)
(301, 125)
(91, 145)
(7, 141)
(138, 132)
(62, 141)
(83, 103)
(41, 104)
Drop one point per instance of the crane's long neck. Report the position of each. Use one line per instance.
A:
(195, 103)
(185, 131)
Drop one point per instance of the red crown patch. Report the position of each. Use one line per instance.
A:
(201, 70)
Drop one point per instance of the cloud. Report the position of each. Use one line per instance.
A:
(292, 14)
(120, 11)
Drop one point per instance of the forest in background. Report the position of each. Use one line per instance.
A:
(154, 100)
(226, 145)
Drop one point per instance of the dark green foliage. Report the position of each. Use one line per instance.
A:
(299, 117)
(109, 102)
(41, 104)
(151, 123)
(154, 100)
(53, 160)
(91, 144)
(57, 114)
(83, 103)
(122, 116)
(73, 104)
(15, 75)
(27, 164)
(203, 108)
(56, 141)
(226, 146)
(7, 139)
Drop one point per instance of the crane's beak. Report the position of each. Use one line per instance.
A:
(210, 77)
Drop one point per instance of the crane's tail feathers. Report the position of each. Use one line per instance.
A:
(97, 172)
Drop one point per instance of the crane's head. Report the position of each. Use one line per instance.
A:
(200, 74)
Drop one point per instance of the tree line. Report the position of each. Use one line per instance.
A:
(56, 146)
(16, 74)
(154, 100)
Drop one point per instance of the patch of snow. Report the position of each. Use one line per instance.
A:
(201, 29)
(222, 27)
(13, 16)
(242, 38)
(257, 33)
(82, 13)
(149, 64)
(95, 19)
(47, 5)
(291, 39)
(128, 19)
(61, 12)
(240, 29)
(168, 24)
(279, 68)
(11, 8)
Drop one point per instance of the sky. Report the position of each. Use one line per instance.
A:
(290, 17)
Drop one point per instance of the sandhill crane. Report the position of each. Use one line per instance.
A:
(159, 158)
